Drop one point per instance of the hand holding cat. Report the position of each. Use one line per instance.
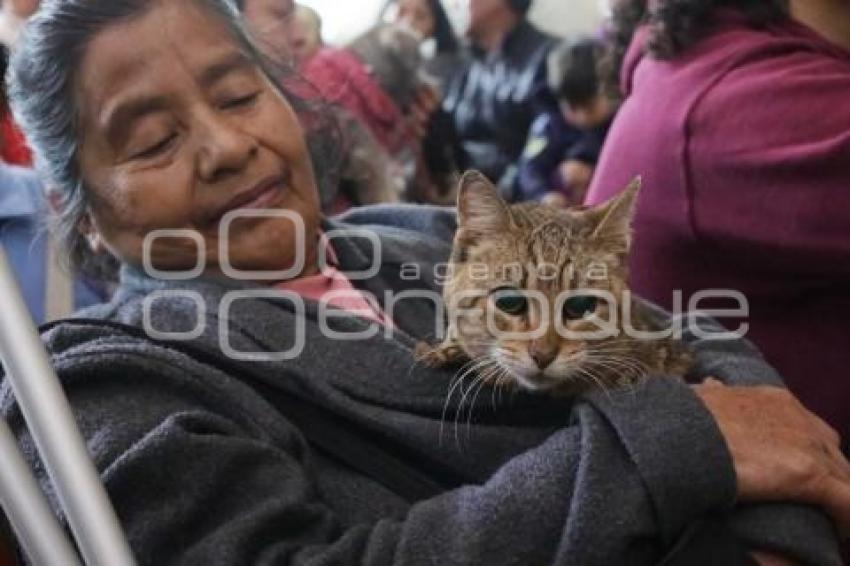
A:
(781, 451)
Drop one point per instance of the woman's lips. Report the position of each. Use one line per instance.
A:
(264, 195)
(266, 198)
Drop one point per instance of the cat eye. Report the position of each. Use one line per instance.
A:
(511, 301)
(579, 306)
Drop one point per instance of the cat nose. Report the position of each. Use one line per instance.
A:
(543, 357)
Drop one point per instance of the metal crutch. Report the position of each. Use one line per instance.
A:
(50, 420)
(33, 522)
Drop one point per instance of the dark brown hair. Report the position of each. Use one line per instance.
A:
(675, 25)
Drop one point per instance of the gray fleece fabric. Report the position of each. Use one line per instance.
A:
(204, 467)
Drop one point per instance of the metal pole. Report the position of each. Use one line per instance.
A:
(35, 525)
(51, 422)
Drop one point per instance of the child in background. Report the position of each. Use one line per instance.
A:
(558, 163)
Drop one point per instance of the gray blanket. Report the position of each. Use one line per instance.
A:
(205, 467)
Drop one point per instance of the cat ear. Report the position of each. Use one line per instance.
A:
(480, 209)
(615, 216)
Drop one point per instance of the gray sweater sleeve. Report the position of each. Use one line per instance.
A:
(204, 471)
(799, 532)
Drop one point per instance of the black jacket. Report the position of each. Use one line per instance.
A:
(493, 103)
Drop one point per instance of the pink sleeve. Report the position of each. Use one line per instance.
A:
(769, 163)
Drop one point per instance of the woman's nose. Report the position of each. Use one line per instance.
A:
(224, 149)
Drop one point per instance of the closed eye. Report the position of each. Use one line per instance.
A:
(157, 148)
(240, 102)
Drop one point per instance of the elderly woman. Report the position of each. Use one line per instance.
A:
(158, 119)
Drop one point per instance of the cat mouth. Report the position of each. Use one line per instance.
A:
(536, 382)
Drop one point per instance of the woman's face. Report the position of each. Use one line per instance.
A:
(179, 127)
(417, 16)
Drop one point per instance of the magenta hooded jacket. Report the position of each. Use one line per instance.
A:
(743, 143)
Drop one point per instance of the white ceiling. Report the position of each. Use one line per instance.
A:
(344, 19)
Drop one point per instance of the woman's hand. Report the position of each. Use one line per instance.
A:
(781, 451)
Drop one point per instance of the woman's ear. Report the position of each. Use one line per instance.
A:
(92, 235)
(86, 226)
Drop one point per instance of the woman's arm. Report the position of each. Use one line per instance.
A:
(201, 469)
(781, 451)
(781, 456)
(766, 165)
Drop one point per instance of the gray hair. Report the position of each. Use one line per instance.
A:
(41, 80)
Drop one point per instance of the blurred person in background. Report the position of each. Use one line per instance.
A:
(13, 17)
(441, 48)
(563, 148)
(49, 290)
(502, 89)
(359, 80)
(736, 114)
(376, 77)
(272, 23)
(437, 170)
(338, 75)
(306, 31)
(290, 36)
(13, 146)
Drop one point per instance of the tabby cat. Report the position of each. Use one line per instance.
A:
(559, 273)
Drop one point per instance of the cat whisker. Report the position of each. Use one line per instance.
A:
(645, 371)
(605, 348)
(479, 379)
(481, 384)
(481, 366)
(619, 371)
(619, 362)
(502, 378)
(493, 391)
(595, 380)
(581, 377)
(469, 367)
(629, 360)
(628, 369)
(504, 383)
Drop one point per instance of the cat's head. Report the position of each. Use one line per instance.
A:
(531, 286)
